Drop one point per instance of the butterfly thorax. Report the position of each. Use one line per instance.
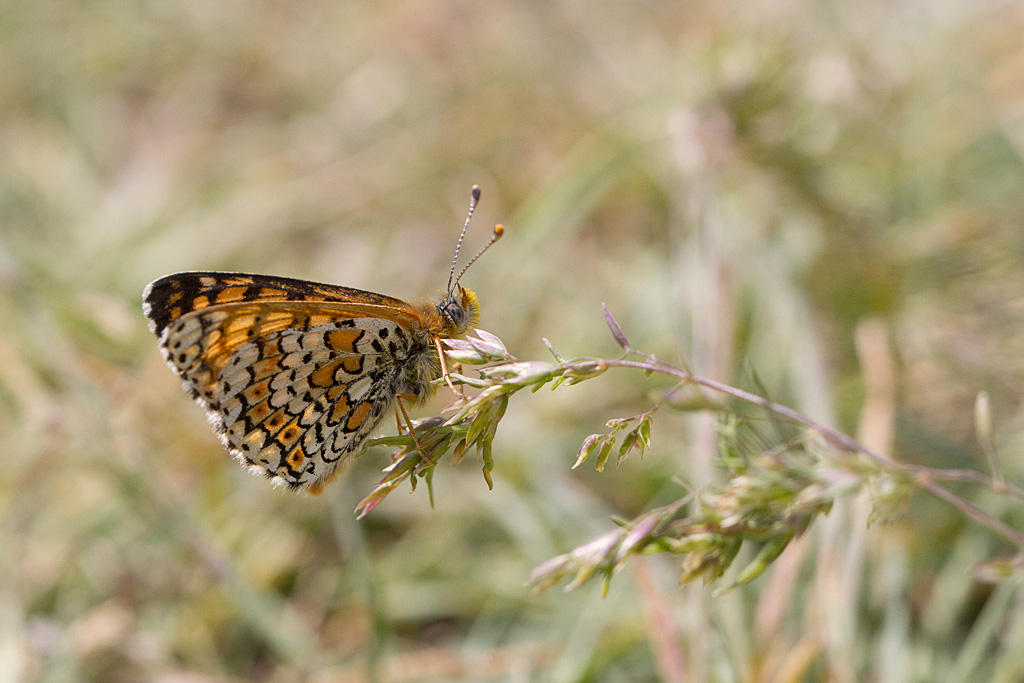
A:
(450, 317)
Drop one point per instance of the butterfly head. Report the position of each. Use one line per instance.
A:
(460, 312)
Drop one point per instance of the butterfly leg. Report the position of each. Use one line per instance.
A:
(400, 408)
(444, 371)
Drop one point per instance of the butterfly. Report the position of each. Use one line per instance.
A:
(296, 375)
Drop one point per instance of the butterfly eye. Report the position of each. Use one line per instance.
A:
(455, 311)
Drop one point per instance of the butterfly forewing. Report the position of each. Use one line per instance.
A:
(295, 375)
(171, 297)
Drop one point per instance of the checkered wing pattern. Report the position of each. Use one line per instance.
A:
(294, 375)
(171, 297)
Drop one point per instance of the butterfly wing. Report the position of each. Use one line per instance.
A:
(167, 299)
(294, 375)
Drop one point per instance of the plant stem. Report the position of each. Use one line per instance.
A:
(923, 477)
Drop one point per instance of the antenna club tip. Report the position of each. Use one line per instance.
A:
(475, 192)
(499, 230)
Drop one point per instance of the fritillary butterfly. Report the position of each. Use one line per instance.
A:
(296, 375)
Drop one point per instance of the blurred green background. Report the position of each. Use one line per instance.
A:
(827, 196)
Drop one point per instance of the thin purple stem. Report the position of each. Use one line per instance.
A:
(924, 477)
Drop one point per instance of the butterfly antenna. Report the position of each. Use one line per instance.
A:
(475, 194)
(499, 230)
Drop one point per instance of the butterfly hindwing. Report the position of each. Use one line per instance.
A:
(299, 403)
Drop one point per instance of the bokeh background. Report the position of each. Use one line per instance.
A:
(821, 199)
